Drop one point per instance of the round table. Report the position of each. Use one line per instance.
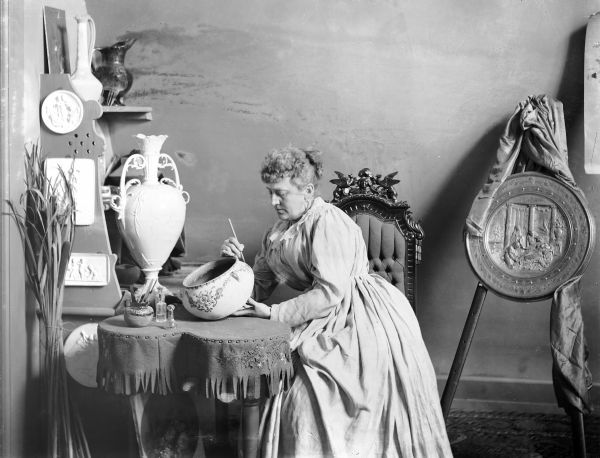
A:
(236, 358)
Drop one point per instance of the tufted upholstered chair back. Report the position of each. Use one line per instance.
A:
(392, 237)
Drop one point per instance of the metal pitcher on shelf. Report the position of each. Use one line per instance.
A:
(108, 65)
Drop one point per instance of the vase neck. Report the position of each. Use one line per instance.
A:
(151, 171)
(85, 39)
(150, 148)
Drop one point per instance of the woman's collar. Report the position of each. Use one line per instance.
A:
(316, 203)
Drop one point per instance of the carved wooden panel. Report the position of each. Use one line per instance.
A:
(84, 142)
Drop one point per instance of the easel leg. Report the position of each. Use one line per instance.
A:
(463, 348)
(578, 433)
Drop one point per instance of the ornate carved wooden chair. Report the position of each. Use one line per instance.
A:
(392, 236)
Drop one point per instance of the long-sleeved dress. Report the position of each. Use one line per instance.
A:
(364, 383)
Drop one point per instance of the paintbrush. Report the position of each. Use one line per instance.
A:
(236, 237)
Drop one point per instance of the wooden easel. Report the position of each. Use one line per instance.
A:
(577, 427)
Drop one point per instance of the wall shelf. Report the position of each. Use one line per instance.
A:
(132, 113)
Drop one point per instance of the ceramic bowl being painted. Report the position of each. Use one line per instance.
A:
(218, 288)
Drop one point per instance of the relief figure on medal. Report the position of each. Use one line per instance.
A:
(526, 236)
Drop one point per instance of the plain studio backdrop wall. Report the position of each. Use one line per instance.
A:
(423, 88)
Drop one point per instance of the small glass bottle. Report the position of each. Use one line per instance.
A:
(171, 315)
(161, 309)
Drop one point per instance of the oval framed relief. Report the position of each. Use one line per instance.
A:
(538, 234)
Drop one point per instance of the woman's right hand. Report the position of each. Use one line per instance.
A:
(232, 248)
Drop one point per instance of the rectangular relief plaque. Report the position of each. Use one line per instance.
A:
(81, 173)
(87, 269)
(591, 95)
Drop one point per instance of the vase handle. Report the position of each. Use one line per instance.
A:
(91, 37)
(115, 204)
(166, 161)
(94, 58)
(135, 161)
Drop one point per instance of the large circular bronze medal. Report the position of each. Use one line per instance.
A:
(538, 234)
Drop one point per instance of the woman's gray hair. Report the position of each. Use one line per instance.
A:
(302, 166)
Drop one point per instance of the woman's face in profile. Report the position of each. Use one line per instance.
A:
(289, 201)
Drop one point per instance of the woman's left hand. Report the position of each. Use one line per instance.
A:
(258, 309)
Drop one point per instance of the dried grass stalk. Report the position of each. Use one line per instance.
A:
(45, 221)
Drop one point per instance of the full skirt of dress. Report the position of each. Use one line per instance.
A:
(365, 390)
(364, 384)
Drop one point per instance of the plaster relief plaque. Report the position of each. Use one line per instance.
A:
(62, 111)
(539, 233)
(81, 174)
(87, 269)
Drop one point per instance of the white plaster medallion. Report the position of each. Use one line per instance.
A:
(62, 111)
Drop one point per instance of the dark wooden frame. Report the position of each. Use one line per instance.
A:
(374, 196)
(57, 42)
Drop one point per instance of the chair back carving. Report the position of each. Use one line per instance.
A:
(393, 238)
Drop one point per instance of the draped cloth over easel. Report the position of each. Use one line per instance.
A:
(535, 138)
(364, 384)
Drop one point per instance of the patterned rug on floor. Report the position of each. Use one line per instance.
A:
(518, 435)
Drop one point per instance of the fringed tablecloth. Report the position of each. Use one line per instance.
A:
(238, 357)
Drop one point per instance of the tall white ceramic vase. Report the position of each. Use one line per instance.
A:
(151, 213)
(85, 84)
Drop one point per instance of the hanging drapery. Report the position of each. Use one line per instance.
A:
(535, 139)
(534, 136)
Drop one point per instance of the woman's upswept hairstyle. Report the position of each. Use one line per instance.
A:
(302, 166)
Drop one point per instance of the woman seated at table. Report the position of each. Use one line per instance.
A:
(364, 384)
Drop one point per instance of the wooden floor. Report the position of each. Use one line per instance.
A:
(517, 435)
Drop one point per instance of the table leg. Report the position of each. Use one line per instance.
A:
(137, 403)
(199, 452)
(221, 422)
(250, 423)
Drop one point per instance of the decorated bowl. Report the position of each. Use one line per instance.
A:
(218, 288)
